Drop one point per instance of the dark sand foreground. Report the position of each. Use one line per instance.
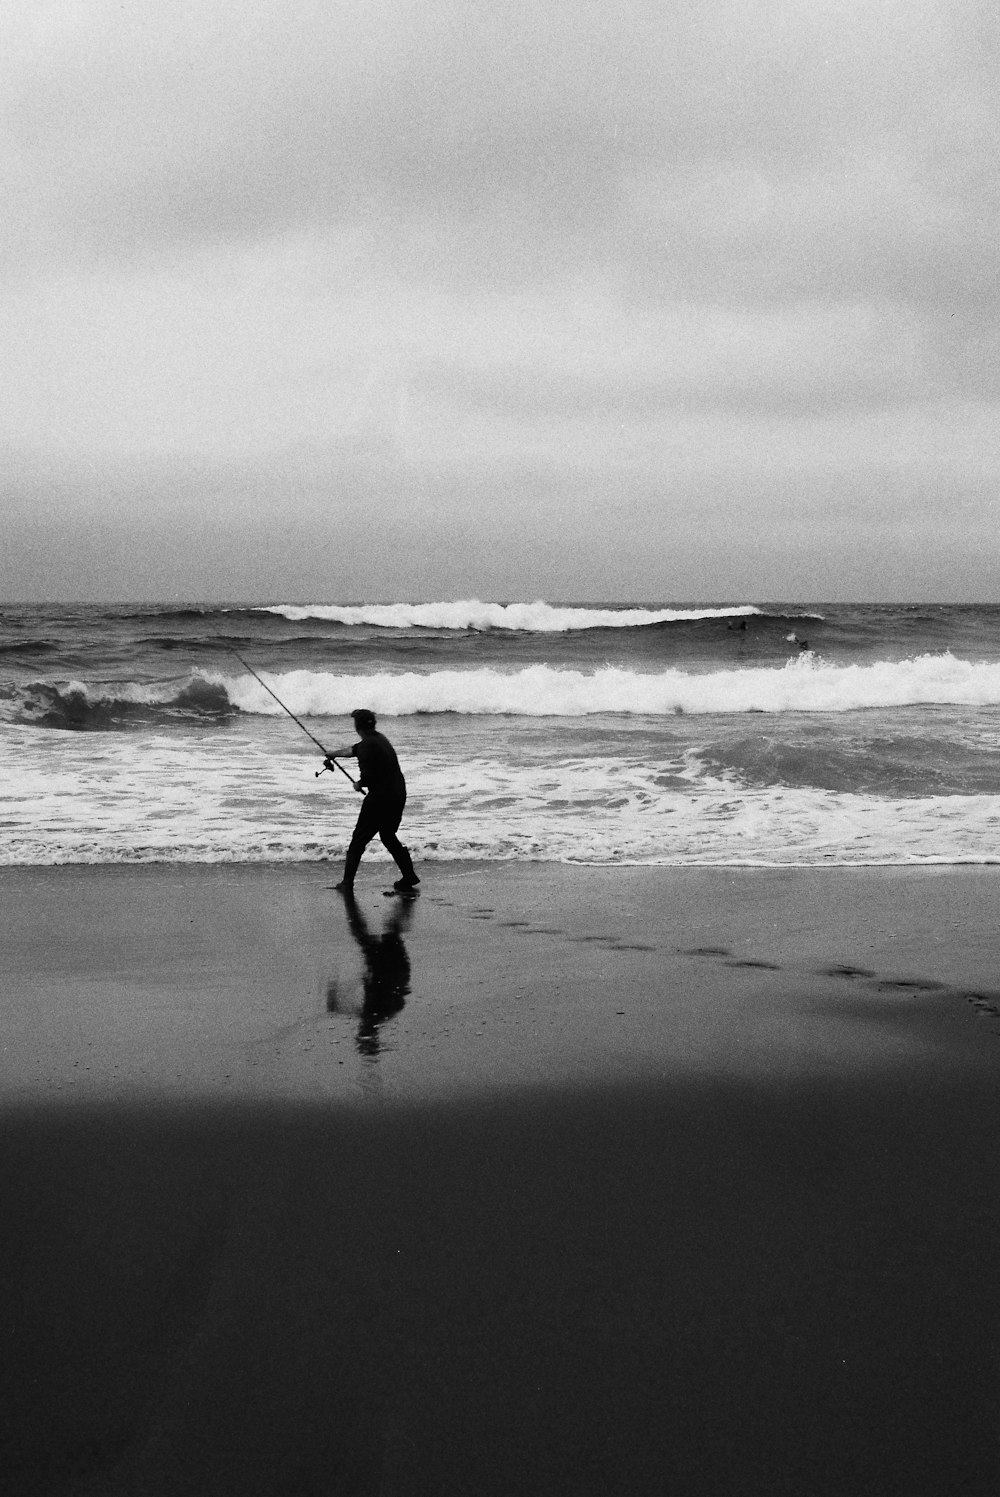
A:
(554, 1181)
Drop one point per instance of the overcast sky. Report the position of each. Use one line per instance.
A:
(656, 299)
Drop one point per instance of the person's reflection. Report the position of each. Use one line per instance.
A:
(386, 979)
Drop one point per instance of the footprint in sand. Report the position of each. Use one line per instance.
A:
(987, 1005)
(910, 985)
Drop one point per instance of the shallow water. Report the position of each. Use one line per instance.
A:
(715, 734)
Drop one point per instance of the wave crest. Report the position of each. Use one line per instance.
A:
(79, 706)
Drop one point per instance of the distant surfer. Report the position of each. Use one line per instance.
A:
(380, 776)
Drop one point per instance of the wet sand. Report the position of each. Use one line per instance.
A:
(551, 1181)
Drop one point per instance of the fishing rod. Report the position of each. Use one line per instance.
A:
(295, 719)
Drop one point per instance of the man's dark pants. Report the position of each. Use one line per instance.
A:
(379, 816)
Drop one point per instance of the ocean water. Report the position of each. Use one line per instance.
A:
(744, 734)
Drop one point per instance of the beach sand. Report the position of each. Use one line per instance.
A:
(552, 1181)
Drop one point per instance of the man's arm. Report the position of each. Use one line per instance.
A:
(342, 753)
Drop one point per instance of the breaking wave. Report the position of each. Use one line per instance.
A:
(804, 684)
(470, 613)
(79, 706)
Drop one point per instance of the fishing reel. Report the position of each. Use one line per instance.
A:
(332, 764)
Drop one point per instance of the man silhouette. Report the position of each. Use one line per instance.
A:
(380, 776)
(386, 980)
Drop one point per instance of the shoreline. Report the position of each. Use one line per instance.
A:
(624, 1183)
(249, 980)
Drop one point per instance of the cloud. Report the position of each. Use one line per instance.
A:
(576, 122)
(548, 248)
(756, 154)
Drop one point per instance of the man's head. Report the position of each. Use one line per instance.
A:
(364, 720)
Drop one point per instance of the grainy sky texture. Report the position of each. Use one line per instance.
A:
(514, 298)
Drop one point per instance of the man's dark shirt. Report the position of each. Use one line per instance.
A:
(379, 768)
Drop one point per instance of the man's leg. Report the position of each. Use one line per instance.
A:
(388, 827)
(364, 831)
(403, 862)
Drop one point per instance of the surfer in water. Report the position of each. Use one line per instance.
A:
(380, 776)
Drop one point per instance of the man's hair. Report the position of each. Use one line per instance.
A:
(364, 719)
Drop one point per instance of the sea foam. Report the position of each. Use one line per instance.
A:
(222, 797)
